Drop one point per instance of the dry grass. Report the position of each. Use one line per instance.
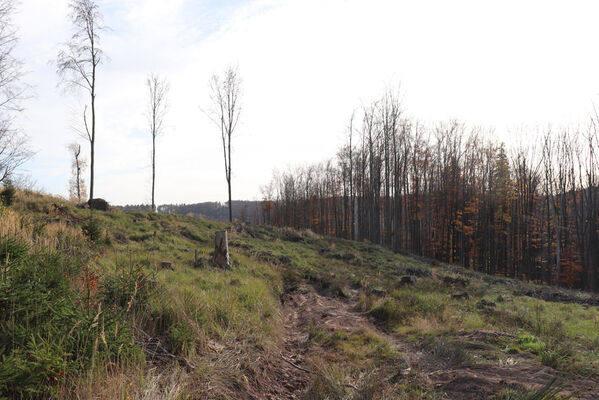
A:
(131, 383)
(40, 233)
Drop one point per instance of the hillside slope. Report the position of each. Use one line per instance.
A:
(112, 305)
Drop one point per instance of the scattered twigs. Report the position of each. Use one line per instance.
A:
(153, 348)
(295, 365)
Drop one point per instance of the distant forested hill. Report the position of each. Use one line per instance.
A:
(247, 211)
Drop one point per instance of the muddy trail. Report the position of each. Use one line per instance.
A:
(289, 374)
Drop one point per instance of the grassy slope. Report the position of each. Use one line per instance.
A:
(222, 321)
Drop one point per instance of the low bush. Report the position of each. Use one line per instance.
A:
(92, 229)
(12, 250)
(531, 344)
(180, 337)
(49, 331)
(291, 280)
(555, 356)
(7, 195)
(388, 312)
(128, 288)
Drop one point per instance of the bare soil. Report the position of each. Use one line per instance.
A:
(469, 381)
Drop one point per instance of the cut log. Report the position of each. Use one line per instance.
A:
(221, 251)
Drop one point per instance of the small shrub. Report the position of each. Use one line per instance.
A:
(38, 228)
(33, 368)
(388, 312)
(180, 337)
(106, 240)
(7, 196)
(556, 356)
(92, 230)
(365, 302)
(129, 288)
(161, 319)
(531, 343)
(12, 250)
(291, 280)
(49, 330)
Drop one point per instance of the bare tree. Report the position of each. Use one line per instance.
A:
(77, 65)
(157, 108)
(225, 111)
(13, 143)
(77, 189)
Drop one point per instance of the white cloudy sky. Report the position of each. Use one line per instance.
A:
(305, 64)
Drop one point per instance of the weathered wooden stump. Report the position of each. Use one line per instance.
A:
(167, 265)
(221, 251)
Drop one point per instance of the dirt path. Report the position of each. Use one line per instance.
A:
(306, 307)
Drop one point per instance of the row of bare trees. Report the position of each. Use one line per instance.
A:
(448, 192)
(77, 66)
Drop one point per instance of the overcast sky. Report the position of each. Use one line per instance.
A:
(305, 65)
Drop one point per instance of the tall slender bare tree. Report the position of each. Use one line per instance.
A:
(77, 189)
(157, 108)
(226, 108)
(78, 62)
(13, 143)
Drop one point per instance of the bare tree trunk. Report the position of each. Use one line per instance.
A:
(77, 65)
(93, 105)
(153, 171)
(229, 180)
(92, 142)
(157, 108)
(76, 185)
(225, 114)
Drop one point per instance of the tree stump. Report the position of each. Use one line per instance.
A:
(167, 265)
(221, 251)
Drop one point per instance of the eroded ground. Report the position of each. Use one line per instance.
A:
(309, 314)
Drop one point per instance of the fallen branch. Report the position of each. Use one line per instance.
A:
(156, 351)
(295, 365)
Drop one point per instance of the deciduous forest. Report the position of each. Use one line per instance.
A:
(448, 192)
